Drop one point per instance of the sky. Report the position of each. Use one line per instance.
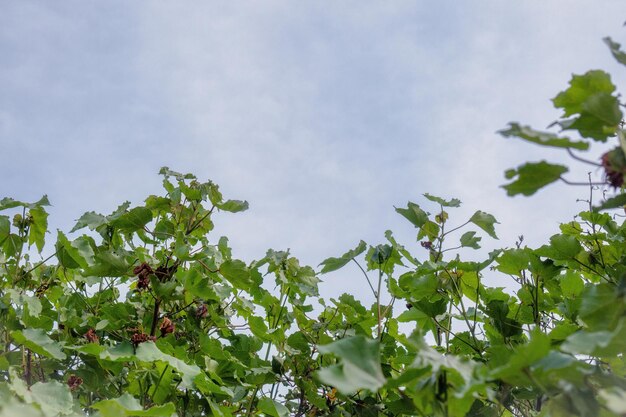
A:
(323, 115)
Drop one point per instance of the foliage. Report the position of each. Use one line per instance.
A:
(143, 313)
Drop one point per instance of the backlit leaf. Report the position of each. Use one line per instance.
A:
(532, 176)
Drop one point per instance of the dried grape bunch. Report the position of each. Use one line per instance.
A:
(614, 164)
(143, 272)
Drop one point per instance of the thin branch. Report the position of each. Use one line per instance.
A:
(366, 277)
(578, 158)
(581, 183)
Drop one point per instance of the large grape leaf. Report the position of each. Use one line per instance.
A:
(38, 341)
(358, 367)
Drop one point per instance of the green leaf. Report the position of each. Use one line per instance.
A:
(38, 341)
(38, 227)
(601, 343)
(532, 176)
(498, 310)
(571, 284)
(604, 107)
(164, 230)
(454, 202)
(562, 247)
(5, 229)
(618, 201)
(470, 240)
(542, 138)
(233, 206)
(149, 352)
(108, 263)
(272, 408)
(522, 358)
(485, 221)
(616, 50)
(53, 397)
(332, 264)
(90, 219)
(161, 391)
(122, 352)
(69, 256)
(259, 328)
(237, 273)
(127, 405)
(359, 366)
(133, 220)
(581, 88)
(7, 203)
(590, 96)
(414, 214)
(513, 261)
(12, 245)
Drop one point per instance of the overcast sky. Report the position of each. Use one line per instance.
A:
(323, 115)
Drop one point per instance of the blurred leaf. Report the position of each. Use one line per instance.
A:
(38, 341)
(590, 96)
(602, 344)
(453, 202)
(5, 229)
(470, 240)
(532, 176)
(233, 206)
(581, 88)
(127, 405)
(149, 352)
(53, 397)
(358, 368)
(618, 201)
(616, 50)
(541, 138)
(272, 408)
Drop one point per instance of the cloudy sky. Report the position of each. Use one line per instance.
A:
(323, 115)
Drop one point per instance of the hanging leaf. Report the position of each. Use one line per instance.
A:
(532, 176)
(485, 221)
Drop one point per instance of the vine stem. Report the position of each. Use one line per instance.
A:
(366, 277)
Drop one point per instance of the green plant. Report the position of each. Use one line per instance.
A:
(143, 313)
